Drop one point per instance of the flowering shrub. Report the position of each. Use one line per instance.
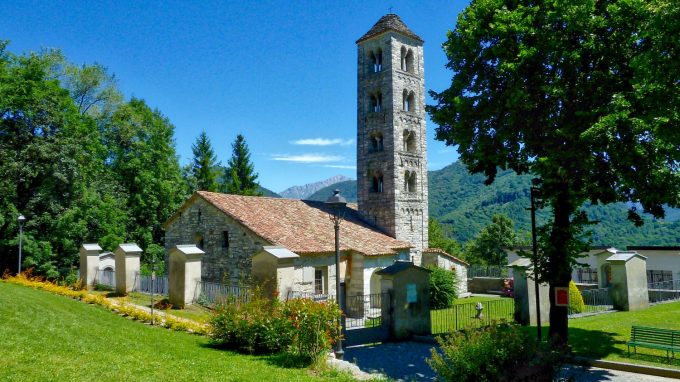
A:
(494, 353)
(316, 326)
(254, 326)
(301, 327)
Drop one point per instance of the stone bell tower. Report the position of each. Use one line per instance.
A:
(391, 143)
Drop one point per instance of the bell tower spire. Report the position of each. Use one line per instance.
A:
(391, 143)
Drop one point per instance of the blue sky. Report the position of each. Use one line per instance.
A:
(281, 73)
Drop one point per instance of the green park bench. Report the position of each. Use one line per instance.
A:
(654, 338)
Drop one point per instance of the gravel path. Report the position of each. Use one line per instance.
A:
(401, 361)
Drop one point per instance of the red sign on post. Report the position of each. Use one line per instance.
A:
(561, 296)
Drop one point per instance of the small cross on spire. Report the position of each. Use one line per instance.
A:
(390, 8)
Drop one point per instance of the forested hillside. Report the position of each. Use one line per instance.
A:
(348, 189)
(462, 203)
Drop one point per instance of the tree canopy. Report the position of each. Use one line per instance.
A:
(78, 162)
(581, 94)
(489, 246)
(241, 178)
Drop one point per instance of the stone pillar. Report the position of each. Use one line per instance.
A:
(184, 274)
(409, 287)
(89, 263)
(525, 294)
(629, 281)
(127, 267)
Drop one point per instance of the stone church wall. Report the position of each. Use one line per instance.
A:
(222, 264)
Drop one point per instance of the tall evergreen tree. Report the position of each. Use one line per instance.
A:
(205, 168)
(240, 174)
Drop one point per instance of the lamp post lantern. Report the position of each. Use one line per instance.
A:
(21, 219)
(534, 248)
(337, 203)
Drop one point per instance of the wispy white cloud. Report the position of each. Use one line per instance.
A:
(307, 158)
(323, 142)
(342, 166)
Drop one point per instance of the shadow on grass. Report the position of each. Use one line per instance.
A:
(596, 344)
(282, 360)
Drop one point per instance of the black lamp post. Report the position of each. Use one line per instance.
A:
(337, 204)
(534, 191)
(21, 219)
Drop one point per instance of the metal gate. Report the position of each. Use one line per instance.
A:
(367, 318)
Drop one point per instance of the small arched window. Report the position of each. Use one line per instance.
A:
(376, 102)
(410, 181)
(409, 141)
(409, 101)
(377, 185)
(376, 60)
(377, 142)
(406, 59)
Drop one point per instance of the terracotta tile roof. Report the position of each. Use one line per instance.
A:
(389, 22)
(303, 226)
(441, 251)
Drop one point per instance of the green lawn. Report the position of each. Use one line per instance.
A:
(45, 337)
(605, 336)
(462, 314)
(475, 299)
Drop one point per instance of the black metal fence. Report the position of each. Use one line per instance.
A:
(208, 293)
(144, 284)
(586, 276)
(366, 310)
(464, 316)
(664, 291)
(654, 276)
(594, 300)
(476, 270)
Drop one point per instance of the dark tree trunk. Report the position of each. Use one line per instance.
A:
(559, 270)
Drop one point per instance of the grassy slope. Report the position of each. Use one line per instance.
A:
(52, 338)
(605, 336)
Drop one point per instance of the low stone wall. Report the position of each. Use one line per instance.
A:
(485, 284)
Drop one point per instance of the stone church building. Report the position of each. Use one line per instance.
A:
(390, 221)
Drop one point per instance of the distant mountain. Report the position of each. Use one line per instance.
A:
(268, 192)
(348, 189)
(303, 192)
(464, 204)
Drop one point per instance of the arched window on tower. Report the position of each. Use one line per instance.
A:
(409, 101)
(409, 141)
(406, 59)
(376, 60)
(376, 102)
(410, 181)
(377, 185)
(376, 142)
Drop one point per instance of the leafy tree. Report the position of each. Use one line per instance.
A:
(144, 162)
(240, 175)
(205, 168)
(93, 89)
(439, 238)
(488, 246)
(51, 160)
(581, 94)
